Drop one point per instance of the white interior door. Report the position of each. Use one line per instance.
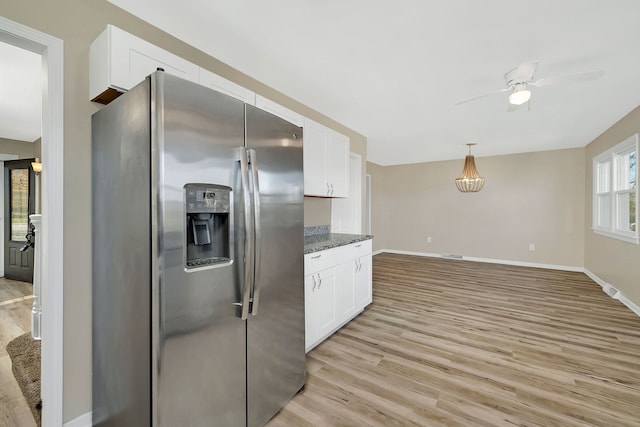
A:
(346, 213)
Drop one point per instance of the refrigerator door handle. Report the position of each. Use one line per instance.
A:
(257, 259)
(248, 234)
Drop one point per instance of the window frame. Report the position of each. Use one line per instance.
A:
(612, 193)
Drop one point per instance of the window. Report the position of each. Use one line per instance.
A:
(19, 196)
(615, 191)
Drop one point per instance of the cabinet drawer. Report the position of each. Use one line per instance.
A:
(355, 250)
(318, 261)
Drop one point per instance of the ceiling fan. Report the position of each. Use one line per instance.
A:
(519, 79)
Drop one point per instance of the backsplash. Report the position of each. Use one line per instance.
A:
(317, 229)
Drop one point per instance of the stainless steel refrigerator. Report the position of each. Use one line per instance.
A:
(197, 280)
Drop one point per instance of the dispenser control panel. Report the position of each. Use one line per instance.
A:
(207, 199)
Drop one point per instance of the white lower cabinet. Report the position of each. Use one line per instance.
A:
(320, 304)
(346, 303)
(363, 290)
(337, 287)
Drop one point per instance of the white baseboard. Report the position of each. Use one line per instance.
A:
(596, 279)
(83, 420)
(605, 286)
(626, 301)
(489, 260)
(394, 251)
(619, 296)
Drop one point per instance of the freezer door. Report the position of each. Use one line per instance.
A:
(121, 254)
(199, 348)
(275, 330)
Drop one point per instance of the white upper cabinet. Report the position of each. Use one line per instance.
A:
(326, 161)
(314, 158)
(338, 164)
(214, 81)
(278, 110)
(119, 61)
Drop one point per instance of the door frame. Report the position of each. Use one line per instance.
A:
(51, 49)
(367, 204)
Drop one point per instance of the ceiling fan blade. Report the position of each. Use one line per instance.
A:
(482, 96)
(571, 78)
(526, 71)
(511, 107)
(522, 74)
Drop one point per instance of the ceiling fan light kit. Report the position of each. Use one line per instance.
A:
(519, 96)
(470, 181)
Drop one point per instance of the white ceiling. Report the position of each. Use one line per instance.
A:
(394, 70)
(20, 93)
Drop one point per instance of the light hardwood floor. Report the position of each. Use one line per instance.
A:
(15, 320)
(458, 343)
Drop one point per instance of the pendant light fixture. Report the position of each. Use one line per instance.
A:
(470, 181)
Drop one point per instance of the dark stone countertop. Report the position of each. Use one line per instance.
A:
(321, 242)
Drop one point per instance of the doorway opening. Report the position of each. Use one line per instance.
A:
(52, 225)
(20, 137)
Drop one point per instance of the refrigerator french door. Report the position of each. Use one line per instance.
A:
(198, 304)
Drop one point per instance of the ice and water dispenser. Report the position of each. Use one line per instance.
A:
(208, 210)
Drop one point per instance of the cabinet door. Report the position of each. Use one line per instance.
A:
(363, 284)
(314, 159)
(346, 293)
(278, 110)
(214, 81)
(119, 61)
(337, 170)
(320, 306)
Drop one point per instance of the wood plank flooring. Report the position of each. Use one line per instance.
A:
(15, 320)
(458, 343)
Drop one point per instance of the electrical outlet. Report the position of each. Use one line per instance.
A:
(428, 239)
(532, 247)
